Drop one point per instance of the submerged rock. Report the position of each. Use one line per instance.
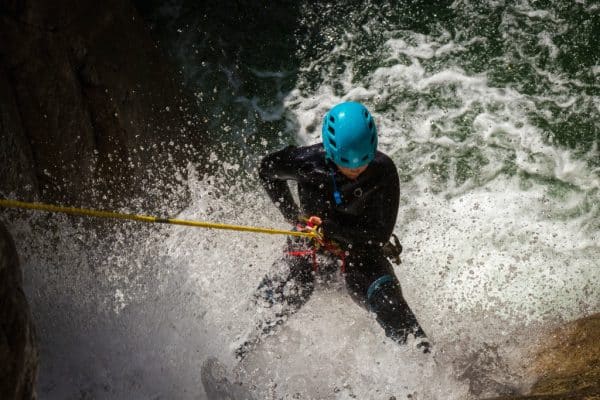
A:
(18, 350)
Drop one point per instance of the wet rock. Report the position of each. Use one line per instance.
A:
(90, 108)
(571, 361)
(18, 350)
(567, 365)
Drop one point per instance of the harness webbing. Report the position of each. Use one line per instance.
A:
(313, 250)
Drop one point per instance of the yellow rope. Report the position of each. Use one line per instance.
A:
(148, 218)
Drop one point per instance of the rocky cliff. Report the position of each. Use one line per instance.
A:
(88, 103)
(91, 114)
(18, 350)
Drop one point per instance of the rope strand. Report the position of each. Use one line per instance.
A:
(148, 218)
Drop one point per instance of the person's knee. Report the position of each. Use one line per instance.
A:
(382, 294)
(267, 293)
(384, 298)
(292, 290)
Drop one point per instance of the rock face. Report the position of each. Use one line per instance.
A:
(90, 115)
(568, 363)
(18, 351)
(88, 104)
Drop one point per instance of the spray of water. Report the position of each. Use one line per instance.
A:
(499, 219)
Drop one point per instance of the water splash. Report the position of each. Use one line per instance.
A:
(499, 220)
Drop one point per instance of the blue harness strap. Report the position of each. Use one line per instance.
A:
(337, 196)
(377, 284)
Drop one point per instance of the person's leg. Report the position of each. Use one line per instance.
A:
(280, 294)
(372, 284)
(287, 288)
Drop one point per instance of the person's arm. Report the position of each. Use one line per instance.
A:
(274, 172)
(376, 225)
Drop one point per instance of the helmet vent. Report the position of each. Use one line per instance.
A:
(332, 143)
(344, 159)
(373, 139)
(365, 158)
(331, 130)
(371, 124)
(332, 119)
(366, 114)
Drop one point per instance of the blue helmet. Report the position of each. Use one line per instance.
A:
(349, 135)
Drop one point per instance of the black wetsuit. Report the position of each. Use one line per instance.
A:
(360, 220)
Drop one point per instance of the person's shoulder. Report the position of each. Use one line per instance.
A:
(385, 167)
(310, 149)
(314, 151)
(384, 160)
(316, 148)
(298, 153)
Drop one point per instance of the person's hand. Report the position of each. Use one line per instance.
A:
(311, 225)
(313, 221)
(308, 223)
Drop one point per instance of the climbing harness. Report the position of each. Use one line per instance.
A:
(313, 250)
(316, 245)
(391, 250)
(312, 234)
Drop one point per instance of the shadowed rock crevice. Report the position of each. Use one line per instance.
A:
(91, 110)
(18, 349)
(17, 163)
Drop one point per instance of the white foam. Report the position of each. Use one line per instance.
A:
(498, 252)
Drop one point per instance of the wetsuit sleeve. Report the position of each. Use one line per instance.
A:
(376, 225)
(274, 172)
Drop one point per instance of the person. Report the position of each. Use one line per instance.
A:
(349, 191)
